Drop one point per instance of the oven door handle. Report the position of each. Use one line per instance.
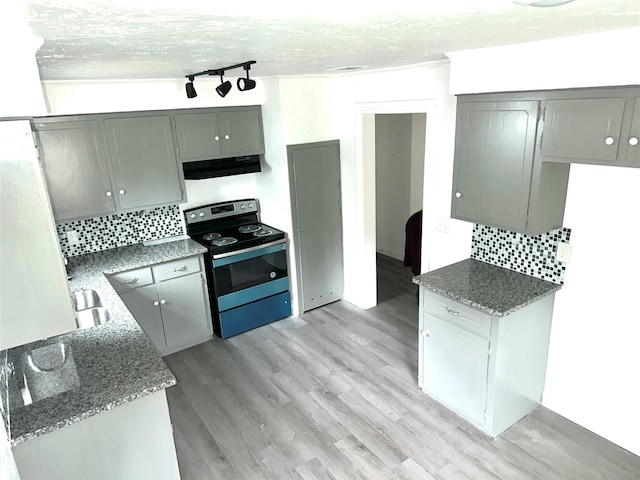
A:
(247, 253)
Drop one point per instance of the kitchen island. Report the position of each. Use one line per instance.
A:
(109, 370)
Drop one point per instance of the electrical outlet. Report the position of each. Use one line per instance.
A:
(443, 225)
(73, 237)
(564, 252)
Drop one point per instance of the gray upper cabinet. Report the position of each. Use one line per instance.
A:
(75, 162)
(219, 133)
(493, 162)
(198, 136)
(633, 139)
(144, 161)
(584, 130)
(595, 126)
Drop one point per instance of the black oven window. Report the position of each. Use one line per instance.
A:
(249, 273)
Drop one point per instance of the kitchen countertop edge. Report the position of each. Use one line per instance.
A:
(446, 281)
(89, 271)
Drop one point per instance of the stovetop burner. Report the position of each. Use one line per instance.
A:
(263, 232)
(249, 228)
(223, 241)
(228, 227)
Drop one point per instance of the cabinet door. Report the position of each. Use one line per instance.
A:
(633, 139)
(141, 303)
(144, 161)
(455, 364)
(493, 162)
(241, 132)
(75, 164)
(184, 309)
(583, 130)
(198, 136)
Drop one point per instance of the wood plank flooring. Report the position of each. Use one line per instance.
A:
(332, 394)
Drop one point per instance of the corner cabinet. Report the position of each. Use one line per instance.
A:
(494, 157)
(207, 134)
(76, 165)
(513, 151)
(169, 301)
(489, 370)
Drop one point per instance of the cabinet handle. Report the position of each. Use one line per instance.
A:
(162, 302)
(458, 195)
(633, 141)
(179, 269)
(131, 280)
(226, 137)
(453, 312)
(216, 138)
(108, 194)
(156, 303)
(425, 333)
(122, 191)
(609, 140)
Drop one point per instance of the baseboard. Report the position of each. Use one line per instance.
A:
(390, 253)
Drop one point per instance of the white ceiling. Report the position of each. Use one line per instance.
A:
(132, 39)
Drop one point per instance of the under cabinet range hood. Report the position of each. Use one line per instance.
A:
(221, 167)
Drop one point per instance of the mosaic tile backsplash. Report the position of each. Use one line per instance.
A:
(531, 255)
(118, 230)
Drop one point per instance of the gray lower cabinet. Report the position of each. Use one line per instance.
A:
(144, 161)
(75, 161)
(489, 370)
(169, 301)
(207, 134)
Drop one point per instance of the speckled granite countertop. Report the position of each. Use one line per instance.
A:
(485, 287)
(107, 365)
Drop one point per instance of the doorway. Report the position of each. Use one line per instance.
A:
(399, 166)
(365, 166)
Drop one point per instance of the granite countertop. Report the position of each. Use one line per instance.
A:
(485, 287)
(105, 366)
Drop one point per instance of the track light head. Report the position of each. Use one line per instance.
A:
(191, 90)
(246, 83)
(224, 87)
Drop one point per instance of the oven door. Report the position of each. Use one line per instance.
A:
(248, 275)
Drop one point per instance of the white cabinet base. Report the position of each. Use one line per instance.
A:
(490, 377)
(134, 440)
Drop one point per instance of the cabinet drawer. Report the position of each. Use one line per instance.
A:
(126, 281)
(177, 268)
(458, 314)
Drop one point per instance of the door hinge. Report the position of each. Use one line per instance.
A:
(490, 349)
(484, 415)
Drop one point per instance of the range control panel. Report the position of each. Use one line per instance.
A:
(220, 210)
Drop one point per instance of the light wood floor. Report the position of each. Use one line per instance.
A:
(332, 394)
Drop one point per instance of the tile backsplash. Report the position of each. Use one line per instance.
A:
(111, 231)
(531, 255)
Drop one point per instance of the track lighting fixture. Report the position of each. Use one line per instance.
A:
(225, 86)
(191, 90)
(246, 83)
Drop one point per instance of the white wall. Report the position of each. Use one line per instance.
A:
(416, 183)
(393, 181)
(593, 358)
